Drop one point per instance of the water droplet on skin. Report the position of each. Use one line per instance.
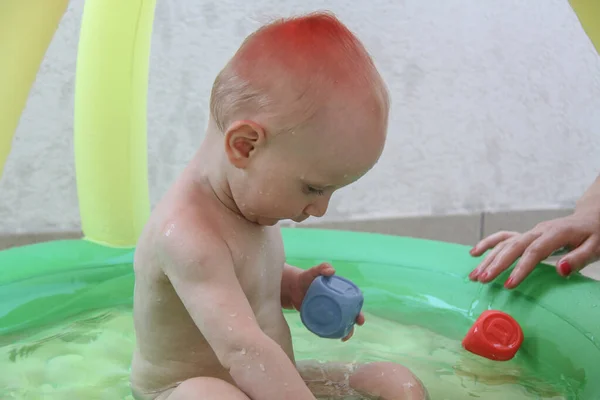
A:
(170, 230)
(229, 328)
(233, 315)
(262, 367)
(243, 352)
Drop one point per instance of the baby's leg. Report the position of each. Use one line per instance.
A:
(378, 380)
(203, 388)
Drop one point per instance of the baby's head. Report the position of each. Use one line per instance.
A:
(303, 112)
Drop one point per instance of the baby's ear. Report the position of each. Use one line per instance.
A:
(242, 138)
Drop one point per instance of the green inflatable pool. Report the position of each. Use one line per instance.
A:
(418, 282)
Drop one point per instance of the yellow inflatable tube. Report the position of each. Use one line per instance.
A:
(588, 12)
(110, 119)
(26, 30)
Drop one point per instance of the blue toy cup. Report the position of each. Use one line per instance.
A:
(330, 306)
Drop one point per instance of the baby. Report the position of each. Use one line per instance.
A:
(298, 112)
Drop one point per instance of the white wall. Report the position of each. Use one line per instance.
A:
(495, 106)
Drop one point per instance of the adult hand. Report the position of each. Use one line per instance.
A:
(579, 233)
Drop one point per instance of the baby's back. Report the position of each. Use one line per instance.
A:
(170, 347)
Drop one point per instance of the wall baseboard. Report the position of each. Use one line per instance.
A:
(21, 239)
(465, 229)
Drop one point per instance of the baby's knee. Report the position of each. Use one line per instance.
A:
(207, 389)
(388, 381)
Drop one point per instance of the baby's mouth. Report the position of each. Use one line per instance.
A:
(300, 219)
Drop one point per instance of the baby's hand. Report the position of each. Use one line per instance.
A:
(305, 278)
(579, 232)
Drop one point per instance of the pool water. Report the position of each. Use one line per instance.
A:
(88, 358)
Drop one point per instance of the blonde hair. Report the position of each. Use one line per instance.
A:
(312, 52)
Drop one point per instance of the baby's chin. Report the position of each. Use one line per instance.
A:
(267, 221)
(300, 219)
(270, 220)
(264, 221)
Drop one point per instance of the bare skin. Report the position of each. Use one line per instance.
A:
(579, 233)
(211, 277)
(211, 285)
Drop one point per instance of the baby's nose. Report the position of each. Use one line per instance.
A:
(318, 208)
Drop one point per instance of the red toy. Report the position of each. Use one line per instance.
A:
(495, 335)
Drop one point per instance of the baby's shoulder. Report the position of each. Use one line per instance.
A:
(184, 231)
(191, 235)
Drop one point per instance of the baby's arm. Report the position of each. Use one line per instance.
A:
(288, 282)
(203, 276)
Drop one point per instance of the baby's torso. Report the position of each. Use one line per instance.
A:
(170, 347)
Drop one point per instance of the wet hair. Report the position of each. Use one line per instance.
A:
(305, 57)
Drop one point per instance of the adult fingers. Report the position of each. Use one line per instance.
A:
(489, 258)
(491, 241)
(537, 251)
(580, 257)
(509, 254)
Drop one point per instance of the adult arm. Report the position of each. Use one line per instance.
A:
(578, 232)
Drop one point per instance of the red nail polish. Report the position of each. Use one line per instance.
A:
(565, 268)
(508, 283)
(483, 276)
(474, 274)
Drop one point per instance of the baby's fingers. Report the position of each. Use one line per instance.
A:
(349, 336)
(577, 259)
(491, 242)
(360, 320)
(324, 269)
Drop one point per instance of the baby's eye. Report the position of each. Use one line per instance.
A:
(314, 190)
